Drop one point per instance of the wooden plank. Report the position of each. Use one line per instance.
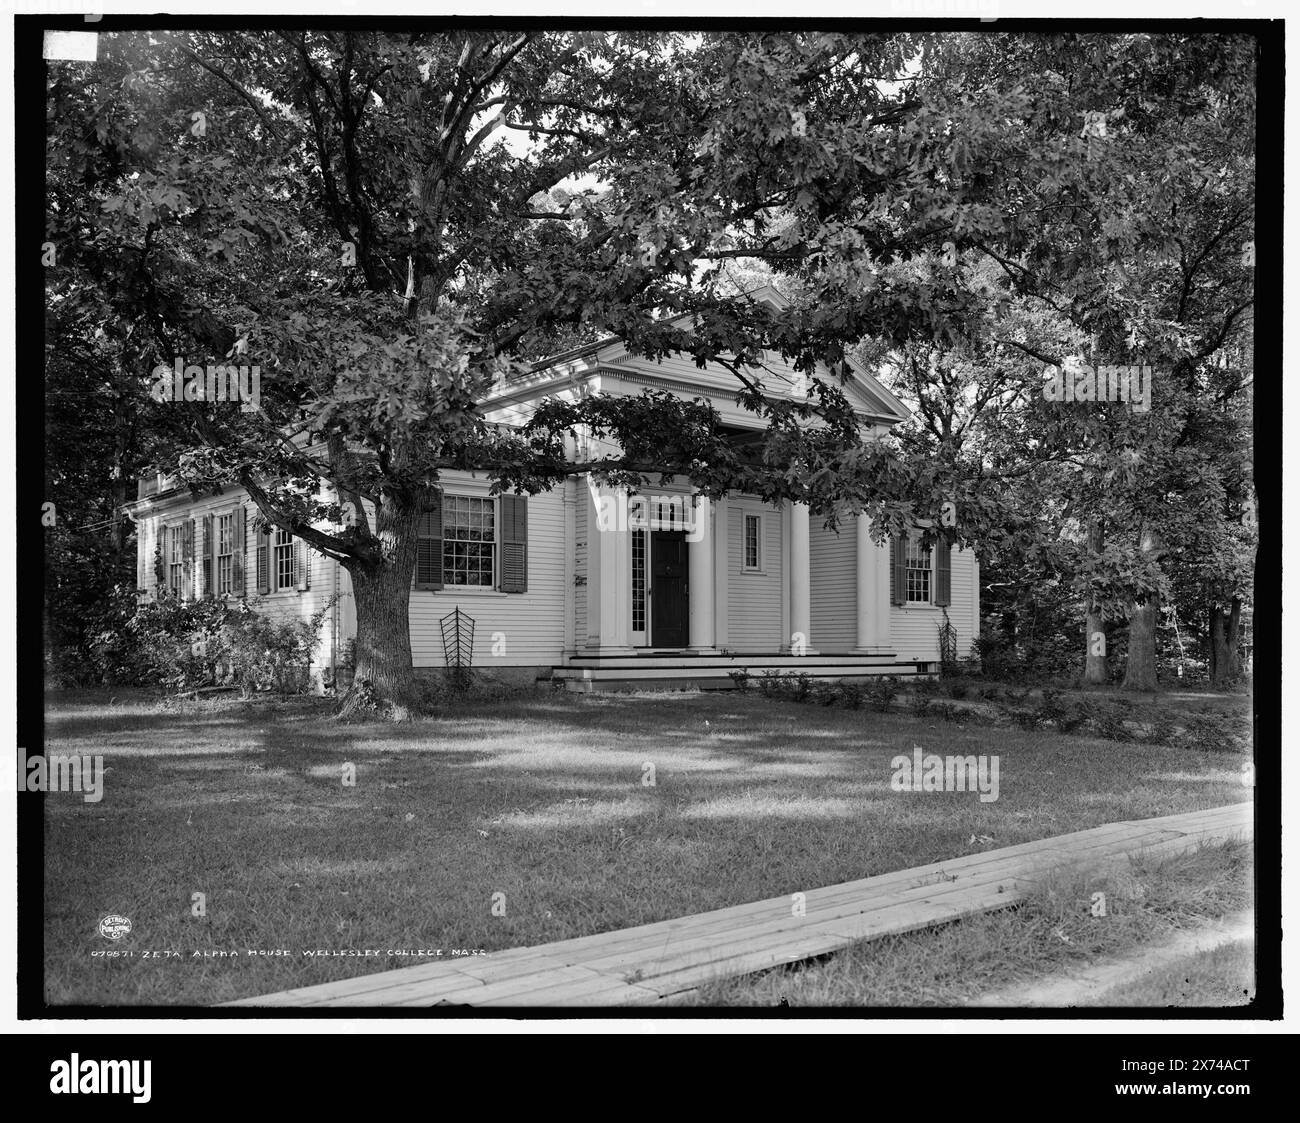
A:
(667, 957)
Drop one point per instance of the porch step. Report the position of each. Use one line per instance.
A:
(713, 673)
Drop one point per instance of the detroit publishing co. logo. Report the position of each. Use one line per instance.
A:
(114, 927)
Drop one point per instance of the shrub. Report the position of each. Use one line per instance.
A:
(1211, 732)
(800, 684)
(1109, 723)
(188, 644)
(1026, 718)
(920, 705)
(945, 711)
(826, 693)
(743, 680)
(853, 695)
(1164, 731)
(956, 687)
(881, 692)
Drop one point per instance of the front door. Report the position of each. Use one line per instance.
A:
(668, 603)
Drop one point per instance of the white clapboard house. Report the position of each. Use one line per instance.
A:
(599, 588)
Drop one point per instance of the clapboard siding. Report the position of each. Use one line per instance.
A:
(754, 599)
(510, 629)
(914, 631)
(834, 587)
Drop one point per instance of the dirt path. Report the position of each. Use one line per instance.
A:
(1091, 982)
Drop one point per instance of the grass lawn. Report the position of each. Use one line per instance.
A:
(1054, 931)
(541, 798)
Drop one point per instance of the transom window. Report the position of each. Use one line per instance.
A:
(284, 575)
(225, 554)
(753, 542)
(468, 541)
(918, 572)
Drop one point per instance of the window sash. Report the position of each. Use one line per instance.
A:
(225, 582)
(284, 576)
(753, 542)
(468, 542)
(176, 564)
(920, 566)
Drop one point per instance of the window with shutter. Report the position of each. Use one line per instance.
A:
(304, 566)
(514, 544)
(428, 552)
(898, 571)
(943, 574)
(263, 561)
(238, 548)
(209, 554)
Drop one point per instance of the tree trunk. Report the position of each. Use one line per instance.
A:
(1140, 674)
(1096, 664)
(381, 591)
(1225, 663)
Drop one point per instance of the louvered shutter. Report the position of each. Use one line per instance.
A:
(514, 544)
(942, 573)
(428, 547)
(209, 556)
(898, 571)
(263, 561)
(237, 549)
(302, 563)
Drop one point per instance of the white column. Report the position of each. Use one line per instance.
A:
(866, 573)
(873, 592)
(799, 642)
(884, 609)
(609, 572)
(699, 576)
(721, 538)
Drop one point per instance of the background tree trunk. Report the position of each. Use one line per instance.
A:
(1096, 667)
(1140, 674)
(1225, 627)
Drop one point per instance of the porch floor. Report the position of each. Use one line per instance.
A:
(654, 962)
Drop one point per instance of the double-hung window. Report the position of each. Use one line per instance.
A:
(285, 578)
(176, 559)
(468, 542)
(919, 572)
(225, 553)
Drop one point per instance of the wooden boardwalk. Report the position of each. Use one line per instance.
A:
(653, 962)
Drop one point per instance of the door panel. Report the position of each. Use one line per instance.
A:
(668, 600)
